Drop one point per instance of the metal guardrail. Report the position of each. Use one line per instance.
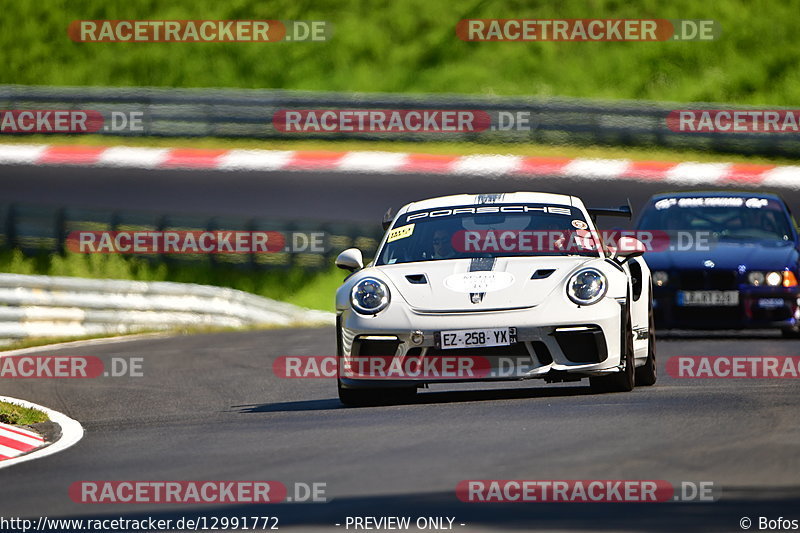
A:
(36, 229)
(36, 306)
(248, 113)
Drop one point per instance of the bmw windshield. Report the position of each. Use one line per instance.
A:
(461, 232)
(723, 218)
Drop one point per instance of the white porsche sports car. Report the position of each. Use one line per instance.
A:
(494, 287)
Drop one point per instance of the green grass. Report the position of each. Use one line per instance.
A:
(33, 342)
(306, 288)
(432, 147)
(411, 46)
(17, 415)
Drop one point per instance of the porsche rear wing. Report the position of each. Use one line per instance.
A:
(625, 211)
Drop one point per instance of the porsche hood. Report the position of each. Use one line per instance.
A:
(482, 284)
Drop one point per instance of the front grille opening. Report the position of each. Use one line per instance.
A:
(583, 346)
(692, 316)
(373, 347)
(542, 352)
(708, 279)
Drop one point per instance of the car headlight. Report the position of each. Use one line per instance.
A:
(660, 278)
(755, 278)
(774, 279)
(370, 296)
(587, 286)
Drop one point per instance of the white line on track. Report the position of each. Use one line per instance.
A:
(86, 342)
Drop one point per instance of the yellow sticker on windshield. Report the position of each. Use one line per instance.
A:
(401, 233)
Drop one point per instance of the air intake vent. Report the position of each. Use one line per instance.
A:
(543, 273)
(417, 279)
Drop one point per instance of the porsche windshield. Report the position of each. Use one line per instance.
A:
(487, 231)
(725, 218)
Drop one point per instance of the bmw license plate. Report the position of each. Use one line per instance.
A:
(708, 298)
(475, 338)
(770, 303)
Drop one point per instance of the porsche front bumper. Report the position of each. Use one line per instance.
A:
(587, 343)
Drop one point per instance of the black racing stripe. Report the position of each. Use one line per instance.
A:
(480, 264)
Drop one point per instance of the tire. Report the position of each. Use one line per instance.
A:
(647, 375)
(623, 381)
(791, 333)
(368, 397)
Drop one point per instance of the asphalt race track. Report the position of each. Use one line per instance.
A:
(324, 196)
(209, 408)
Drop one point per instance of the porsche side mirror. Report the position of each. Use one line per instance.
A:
(629, 247)
(351, 259)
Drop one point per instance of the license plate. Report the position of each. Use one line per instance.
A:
(770, 303)
(475, 338)
(708, 298)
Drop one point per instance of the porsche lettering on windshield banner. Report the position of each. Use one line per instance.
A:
(472, 231)
(492, 209)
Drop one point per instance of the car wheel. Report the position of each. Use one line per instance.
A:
(368, 397)
(647, 374)
(622, 381)
(791, 333)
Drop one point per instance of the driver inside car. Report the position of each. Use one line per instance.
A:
(442, 245)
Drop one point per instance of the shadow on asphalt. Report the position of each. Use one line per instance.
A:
(686, 334)
(425, 398)
(722, 515)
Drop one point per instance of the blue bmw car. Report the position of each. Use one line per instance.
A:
(723, 260)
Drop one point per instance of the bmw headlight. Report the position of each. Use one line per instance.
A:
(587, 286)
(660, 278)
(774, 279)
(755, 278)
(370, 296)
